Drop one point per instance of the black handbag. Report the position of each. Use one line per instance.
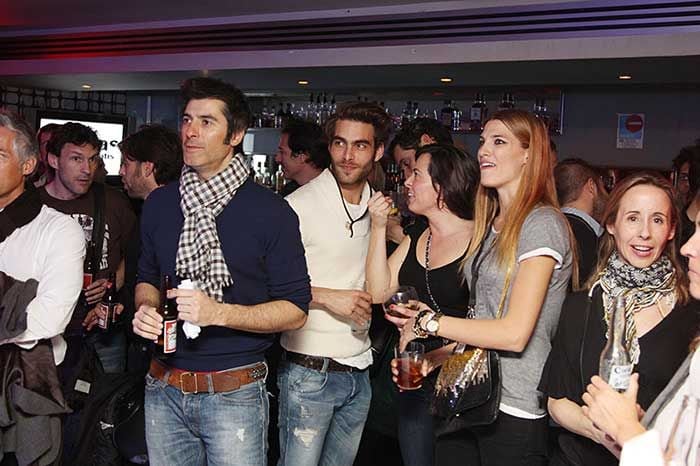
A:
(468, 387)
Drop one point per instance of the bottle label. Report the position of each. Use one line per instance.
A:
(169, 336)
(620, 377)
(87, 280)
(103, 322)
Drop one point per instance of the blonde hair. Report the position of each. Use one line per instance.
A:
(536, 187)
(607, 241)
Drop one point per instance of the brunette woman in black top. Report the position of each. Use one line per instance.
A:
(441, 189)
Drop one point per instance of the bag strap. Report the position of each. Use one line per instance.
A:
(504, 293)
(98, 226)
(476, 267)
(20, 212)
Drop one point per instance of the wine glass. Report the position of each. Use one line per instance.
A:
(405, 296)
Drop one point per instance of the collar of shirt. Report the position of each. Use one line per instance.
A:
(595, 226)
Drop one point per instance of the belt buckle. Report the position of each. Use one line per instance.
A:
(258, 372)
(182, 382)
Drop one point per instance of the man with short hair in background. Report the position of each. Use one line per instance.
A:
(582, 197)
(302, 153)
(151, 157)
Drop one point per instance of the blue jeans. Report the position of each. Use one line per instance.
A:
(226, 428)
(321, 415)
(416, 429)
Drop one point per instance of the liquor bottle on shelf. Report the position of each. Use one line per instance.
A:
(540, 111)
(310, 109)
(318, 110)
(456, 118)
(333, 106)
(478, 113)
(268, 117)
(267, 178)
(324, 110)
(508, 101)
(259, 173)
(279, 180)
(615, 364)
(446, 114)
(280, 117)
(406, 114)
(416, 111)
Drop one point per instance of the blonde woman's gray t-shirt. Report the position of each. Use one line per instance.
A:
(544, 233)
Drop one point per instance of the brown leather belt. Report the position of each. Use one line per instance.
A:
(319, 363)
(207, 382)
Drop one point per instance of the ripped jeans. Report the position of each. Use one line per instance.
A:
(226, 428)
(321, 415)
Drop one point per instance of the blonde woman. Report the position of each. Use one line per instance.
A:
(519, 231)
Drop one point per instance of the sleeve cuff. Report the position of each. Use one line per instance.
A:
(543, 252)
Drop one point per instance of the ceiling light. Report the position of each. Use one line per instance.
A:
(303, 82)
(86, 86)
(624, 77)
(258, 94)
(445, 80)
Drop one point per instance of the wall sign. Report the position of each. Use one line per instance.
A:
(630, 131)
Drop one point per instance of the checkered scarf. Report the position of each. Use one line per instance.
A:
(199, 255)
(641, 289)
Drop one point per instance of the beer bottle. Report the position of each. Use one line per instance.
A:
(109, 303)
(615, 363)
(168, 310)
(88, 272)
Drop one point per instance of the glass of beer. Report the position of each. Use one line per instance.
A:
(410, 364)
(405, 296)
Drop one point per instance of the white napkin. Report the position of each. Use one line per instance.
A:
(191, 330)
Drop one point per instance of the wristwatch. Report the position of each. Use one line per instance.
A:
(432, 325)
(427, 323)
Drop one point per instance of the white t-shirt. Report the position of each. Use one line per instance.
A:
(50, 249)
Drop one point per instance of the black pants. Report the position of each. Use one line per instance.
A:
(510, 441)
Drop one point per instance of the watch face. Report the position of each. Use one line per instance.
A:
(432, 326)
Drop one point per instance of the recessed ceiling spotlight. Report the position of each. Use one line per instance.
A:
(446, 80)
(624, 77)
(303, 82)
(86, 86)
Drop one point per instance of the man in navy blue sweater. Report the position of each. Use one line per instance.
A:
(240, 244)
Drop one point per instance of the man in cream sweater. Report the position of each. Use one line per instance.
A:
(323, 381)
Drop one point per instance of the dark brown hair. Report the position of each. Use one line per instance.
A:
(159, 145)
(236, 109)
(455, 176)
(364, 112)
